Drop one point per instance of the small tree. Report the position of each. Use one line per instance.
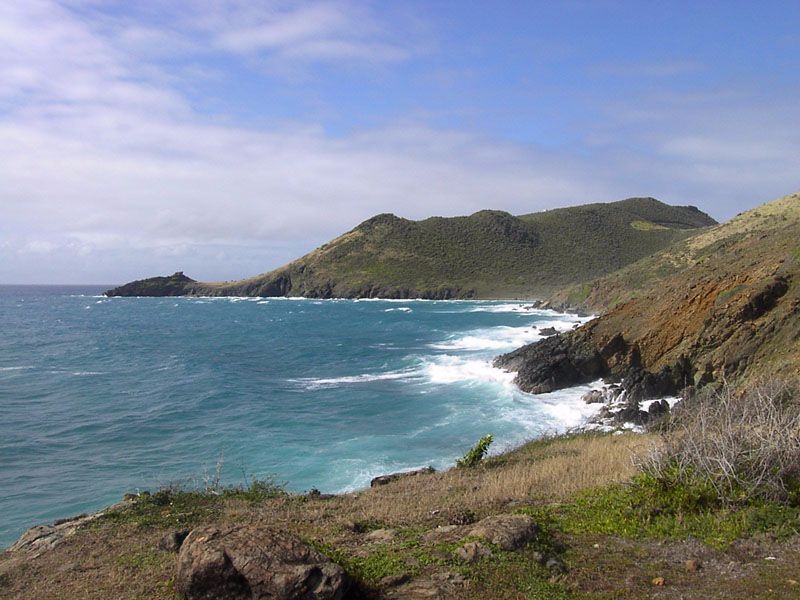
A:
(476, 453)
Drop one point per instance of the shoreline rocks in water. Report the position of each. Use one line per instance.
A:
(574, 358)
(621, 411)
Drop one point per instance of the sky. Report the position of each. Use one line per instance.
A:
(224, 138)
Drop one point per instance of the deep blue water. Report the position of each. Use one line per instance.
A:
(100, 396)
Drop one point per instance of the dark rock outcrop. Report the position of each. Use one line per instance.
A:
(176, 284)
(173, 541)
(384, 479)
(553, 363)
(245, 562)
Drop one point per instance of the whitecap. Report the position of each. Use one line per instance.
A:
(4, 369)
(405, 309)
(504, 308)
(313, 383)
(493, 338)
(447, 369)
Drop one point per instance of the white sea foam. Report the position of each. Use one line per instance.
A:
(86, 373)
(505, 308)
(313, 383)
(401, 309)
(4, 369)
(446, 369)
(566, 407)
(671, 400)
(507, 337)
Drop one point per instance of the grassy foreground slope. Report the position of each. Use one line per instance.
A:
(608, 538)
(487, 254)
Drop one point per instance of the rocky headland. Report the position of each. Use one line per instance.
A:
(490, 254)
(727, 309)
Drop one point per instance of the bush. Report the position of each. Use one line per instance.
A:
(476, 453)
(735, 446)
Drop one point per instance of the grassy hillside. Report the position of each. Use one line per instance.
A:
(487, 254)
(634, 279)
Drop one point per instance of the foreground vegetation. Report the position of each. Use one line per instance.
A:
(620, 516)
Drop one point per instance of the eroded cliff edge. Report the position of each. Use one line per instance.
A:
(728, 307)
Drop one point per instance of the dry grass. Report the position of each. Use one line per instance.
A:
(543, 471)
(119, 560)
(745, 444)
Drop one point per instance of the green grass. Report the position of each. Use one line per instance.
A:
(142, 559)
(646, 225)
(647, 508)
(516, 571)
(180, 508)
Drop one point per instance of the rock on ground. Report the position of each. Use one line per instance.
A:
(245, 561)
(509, 532)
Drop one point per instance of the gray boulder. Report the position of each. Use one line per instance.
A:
(248, 562)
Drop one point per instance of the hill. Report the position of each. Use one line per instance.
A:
(722, 305)
(487, 254)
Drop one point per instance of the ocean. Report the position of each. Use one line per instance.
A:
(103, 396)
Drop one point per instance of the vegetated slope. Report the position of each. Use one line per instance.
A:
(487, 254)
(722, 305)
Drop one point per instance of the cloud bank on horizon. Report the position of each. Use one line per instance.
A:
(225, 138)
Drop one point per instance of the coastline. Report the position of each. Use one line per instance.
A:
(611, 416)
(451, 363)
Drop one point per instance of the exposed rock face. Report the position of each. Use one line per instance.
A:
(173, 541)
(43, 538)
(472, 552)
(509, 532)
(245, 562)
(554, 363)
(722, 305)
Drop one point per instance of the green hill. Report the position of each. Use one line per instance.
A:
(487, 254)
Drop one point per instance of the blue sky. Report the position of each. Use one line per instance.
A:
(224, 138)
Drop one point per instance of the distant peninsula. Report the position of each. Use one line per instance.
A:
(489, 254)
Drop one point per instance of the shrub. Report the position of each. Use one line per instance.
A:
(476, 454)
(737, 446)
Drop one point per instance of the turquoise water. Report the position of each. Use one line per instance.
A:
(100, 396)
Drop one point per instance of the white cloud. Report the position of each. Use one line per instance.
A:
(111, 174)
